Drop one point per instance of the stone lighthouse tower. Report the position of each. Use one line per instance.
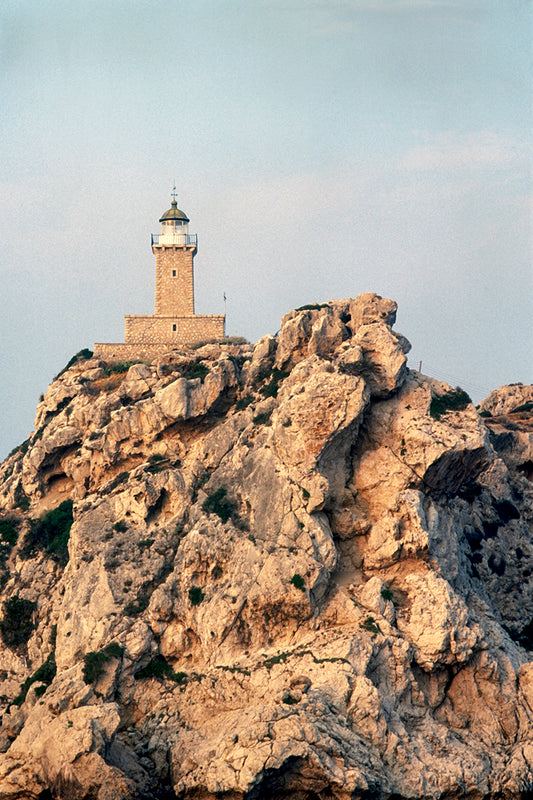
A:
(174, 249)
(174, 323)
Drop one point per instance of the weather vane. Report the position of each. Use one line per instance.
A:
(174, 194)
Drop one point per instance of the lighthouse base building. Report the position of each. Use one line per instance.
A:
(174, 323)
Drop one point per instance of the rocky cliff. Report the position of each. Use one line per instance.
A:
(290, 570)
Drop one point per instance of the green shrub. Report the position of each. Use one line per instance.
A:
(271, 389)
(157, 668)
(218, 503)
(8, 538)
(143, 543)
(371, 626)
(298, 582)
(17, 624)
(202, 479)
(281, 658)
(196, 595)
(39, 433)
(263, 418)
(136, 607)
(120, 367)
(21, 449)
(44, 674)
(233, 340)
(528, 406)
(94, 662)
(117, 480)
(485, 414)
(8, 531)
(244, 402)
(387, 594)
(157, 463)
(453, 400)
(313, 307)
(121, 526)
(192, 371)
(157, 466)
(50, 533)
(82, 355)
(22, 500)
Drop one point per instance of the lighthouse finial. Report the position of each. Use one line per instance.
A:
(174, 194)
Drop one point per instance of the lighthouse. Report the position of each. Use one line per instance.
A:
(174, 249)
(174, 324)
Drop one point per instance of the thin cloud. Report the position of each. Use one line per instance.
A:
(358, 7)
(396, 6)
(343, 18)
(473, 150)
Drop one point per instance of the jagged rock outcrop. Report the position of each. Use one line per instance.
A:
(290, 570)
(508, 399)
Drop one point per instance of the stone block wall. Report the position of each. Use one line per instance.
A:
(118, 351)
(173, 330)
(149, 336)
(174, 280)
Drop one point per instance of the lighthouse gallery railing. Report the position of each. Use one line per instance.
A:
(179, 239)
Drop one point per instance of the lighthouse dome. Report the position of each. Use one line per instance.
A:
(174, 213)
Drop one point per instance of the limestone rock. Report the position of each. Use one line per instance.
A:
(383, 357)
(262, 359)
(370, 307)
(436, 622)
(318, 407)
(185, 398)
(283, 574)
(506, 399)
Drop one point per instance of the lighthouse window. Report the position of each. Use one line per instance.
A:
(173, 273)
(174, 327)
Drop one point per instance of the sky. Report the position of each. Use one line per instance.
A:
(320, 148)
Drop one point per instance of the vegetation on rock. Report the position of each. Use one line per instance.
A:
(272, 387)
(198, 370)
(160, 669)
(45, 674)
(94, 662)
(17, 624)
(298, 582)
(220, 504)
(81, 355)
(195, 595)
(262, 418)
(50, 534)
(453, 400)
(136, 607)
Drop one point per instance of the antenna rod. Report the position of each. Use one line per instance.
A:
(224, 313)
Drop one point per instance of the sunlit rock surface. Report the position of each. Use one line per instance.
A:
(295, 570)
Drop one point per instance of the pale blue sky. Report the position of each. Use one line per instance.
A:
(321, 148)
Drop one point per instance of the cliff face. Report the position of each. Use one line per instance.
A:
(293, 570)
